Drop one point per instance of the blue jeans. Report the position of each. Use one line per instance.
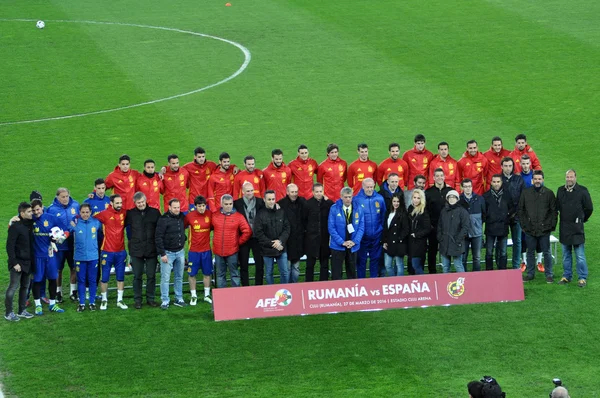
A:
(475, 244)
(222, 264)
(515, 235)
(499, 242)
(581, 262)
(175, 262)
(457, 263)
(282, 265)
(417, 263)
(294, 272)
(392, 270)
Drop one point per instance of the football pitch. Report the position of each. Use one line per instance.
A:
(150, 78)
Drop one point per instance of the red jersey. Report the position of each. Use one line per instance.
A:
(389, 166)
(475, 168)
(358, 171)
(255, 178)
(198, 180)
(199, 235)
(450, 167)
(516, 155)
(303, 175)
(418, 163)
(277, 179)
(332, 174)
(494, 163)
(151, 187)
(219, 184)
(113, 226)
(123, 184)
(175, 186)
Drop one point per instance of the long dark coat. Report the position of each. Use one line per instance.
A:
(420, 226)
(316, 235)
(452, 229)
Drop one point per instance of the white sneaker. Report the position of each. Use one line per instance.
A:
(208, 299)
(194, 300)
(103, 305)
(122, 305)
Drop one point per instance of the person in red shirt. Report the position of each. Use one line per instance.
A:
(395, 165)
(444, 161)
(473, 165)
(277, 175)
(303, 170)
(252, 175)
(494, 155)
(150, 184)
(418, 160)
(361, 168)
(122, 181)
(175, 183)
(113, 249)
(522, 148)
(199, 255)
(220, 182)
(332, 173)
(199, 170)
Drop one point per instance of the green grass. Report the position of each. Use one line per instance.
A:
(321, 72)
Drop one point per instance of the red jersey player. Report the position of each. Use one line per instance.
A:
(393, 164)
(200, 255)
(332, 173)
(122, 181)
(277, 175)
(417, 159)
(175, 183)
(361, 168)
(304, 169)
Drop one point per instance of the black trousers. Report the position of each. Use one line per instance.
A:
(140, 266)
(244, 258)
(339, 257)
(432, 251)
(17, 280)
(324, 253)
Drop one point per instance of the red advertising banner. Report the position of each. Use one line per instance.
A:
(372, 294)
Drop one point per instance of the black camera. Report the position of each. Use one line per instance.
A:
(557, 383)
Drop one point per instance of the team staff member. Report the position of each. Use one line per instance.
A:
(122, 181)
(418, 160)
(150, 184)
(372, 205)
(390, 188)
(495, 155)
(175, 183)
(250, 175)
(113, 249)
(444, 161)
(19, 248)
(393, 164)
(142, 221)
(199, 255)
(332, 173)
(98, 202)
(277, 175)
(293, 206)
(66, 209)
(473, 165)
(521, 149)
(316, 239)
(200, 170)
(85, 234)
(304, 169)
(361, 169)
(220, 182)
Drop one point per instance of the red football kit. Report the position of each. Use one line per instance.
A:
(332, 174)
(198, 179)
(475, 168)
(450, 167)
(151, 187)
(389, 166)
(113, 226)
(494, 163)
(516, 155)
(123, 184)
(418, 163)
(199, 235)
(277, 179)
(255, 178)
(220, 183)
(174, 186)
(358, 171)
(303, 175)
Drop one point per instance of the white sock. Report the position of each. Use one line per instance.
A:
(193, 293)
(73, 287)
(525, 258)
(539, 257)
(104, 296)
(59, 289)
(206, 291)
(38, 302)
(119, 295)
(87, 290)
(52, 302)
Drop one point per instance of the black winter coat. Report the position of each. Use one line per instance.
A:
(395, 234)
(452, 229)
(19, 246)
(499, 216)
(142, 236)
(240, 206)
(436, 199)
(515, 186)
(270, 225)
(420, 226)
(316, 214)
(294, 212)
(170, 233)
(537, 211)
(575, 208)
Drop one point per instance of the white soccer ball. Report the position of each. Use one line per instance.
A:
(40, 25)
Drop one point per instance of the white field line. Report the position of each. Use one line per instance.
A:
(247, 58)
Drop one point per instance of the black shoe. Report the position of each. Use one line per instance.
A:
(92, 307)
(59, 298)
(527, 278)
(81, 308)
(153, 304)
(74, 296)
(138, 305)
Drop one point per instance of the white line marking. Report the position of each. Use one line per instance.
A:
(247, 58)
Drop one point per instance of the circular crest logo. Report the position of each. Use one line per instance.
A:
(456, 288)
(284, 297)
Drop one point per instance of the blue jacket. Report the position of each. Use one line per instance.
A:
(373, 208)
(98, 204)
(527, 179)
(336, 224)
(65, 214)
(41, 234)
(85, 234)
(476, 209)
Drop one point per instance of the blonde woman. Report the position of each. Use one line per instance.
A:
(420, 227)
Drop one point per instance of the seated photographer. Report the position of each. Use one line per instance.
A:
(560, 392)
(487, 387)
